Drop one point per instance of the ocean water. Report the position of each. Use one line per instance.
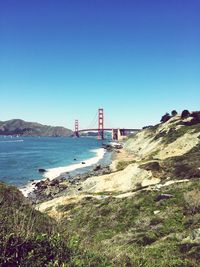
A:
(21, 157)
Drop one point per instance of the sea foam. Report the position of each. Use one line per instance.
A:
(55, 172)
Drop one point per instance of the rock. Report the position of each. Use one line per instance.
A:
(194, 237)
(54, 182)
(97, 168)
(156, 212)
(163, 196)
(41, 170)
(195, 234)
(63, 186)
(43, 184)
(48, 192)
(47, 181)
(83, 162)
(74, 159)
(148, 182)
(108, 147)
(118, 146)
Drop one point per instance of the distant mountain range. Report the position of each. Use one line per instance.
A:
(24, 128)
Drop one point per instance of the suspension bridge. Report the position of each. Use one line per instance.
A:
(117, 133)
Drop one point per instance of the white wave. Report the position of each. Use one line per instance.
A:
(55, 172)
(12, 141)
(26, 190)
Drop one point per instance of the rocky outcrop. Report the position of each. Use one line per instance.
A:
(63, 185)
(20, 127)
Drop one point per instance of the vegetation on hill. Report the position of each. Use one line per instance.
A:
(151, 225)
(140, 230)
(30, 238)
(20, 127)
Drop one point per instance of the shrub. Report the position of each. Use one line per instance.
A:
(185, 114)
(151, 166)
(195, 119)
(196, 116)
(174, 113)
(165, 118)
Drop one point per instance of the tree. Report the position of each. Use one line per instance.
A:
(165, 118)
(185, 114)
(174, 113)
(196, 117)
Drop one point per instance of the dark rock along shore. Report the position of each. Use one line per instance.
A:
(63, 185)
(66, 183)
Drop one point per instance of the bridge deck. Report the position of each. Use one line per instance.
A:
(109, 129)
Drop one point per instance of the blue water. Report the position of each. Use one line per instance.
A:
(20, 158)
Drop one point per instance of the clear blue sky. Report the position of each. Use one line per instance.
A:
(63, 59)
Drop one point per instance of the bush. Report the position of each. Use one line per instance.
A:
(185, 114)
(174, 113)
(165, 118)
(151, 166)
(192, 201)
(195, 119)
(196, 116)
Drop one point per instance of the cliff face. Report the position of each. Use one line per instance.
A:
(170, 139)
(20, 127)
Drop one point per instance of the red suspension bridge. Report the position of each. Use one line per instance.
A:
(117, 133)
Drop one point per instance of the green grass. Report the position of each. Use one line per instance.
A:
(121, 165)
(173, 134)
(30, 238)
(106, 232)
(129, 233)
(183, 167)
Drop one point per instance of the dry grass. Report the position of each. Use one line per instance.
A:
(192, 200)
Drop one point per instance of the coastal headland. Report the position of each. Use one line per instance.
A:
(24, 128)
(141, 210)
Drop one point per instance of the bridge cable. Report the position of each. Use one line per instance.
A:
(93, 123)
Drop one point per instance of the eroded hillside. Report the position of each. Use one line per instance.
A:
(147, 211)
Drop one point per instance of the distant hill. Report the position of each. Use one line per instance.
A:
(24, 128)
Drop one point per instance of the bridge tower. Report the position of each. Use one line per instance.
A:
(100, 124)
(76, 133)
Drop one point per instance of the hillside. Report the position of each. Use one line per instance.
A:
(30, 238)
(147, 211)
(20, 127)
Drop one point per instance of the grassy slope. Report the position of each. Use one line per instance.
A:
(109, 231)
(129, 233)
(30, 238)
(16, 126)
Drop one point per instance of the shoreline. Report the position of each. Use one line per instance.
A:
(96, 180)
(58, 172)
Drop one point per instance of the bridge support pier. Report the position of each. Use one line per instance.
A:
(76, 133)
(116, 133)
(100, 124)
